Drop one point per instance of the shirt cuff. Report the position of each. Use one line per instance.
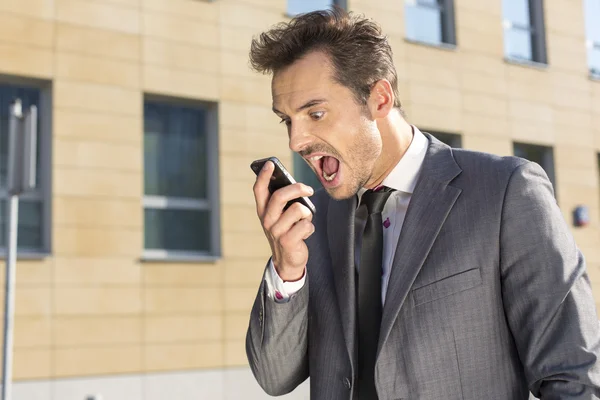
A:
(277, 289)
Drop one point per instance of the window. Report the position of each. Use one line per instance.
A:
(34, 206)
(592, 16)
(451, 139)
(430, 21)
(524, 33)
(181, 216)
(303, 173)
(295, 7)
(542, 155)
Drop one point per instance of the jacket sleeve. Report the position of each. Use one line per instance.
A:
(279, 290)
(276, 341)
(546, 292)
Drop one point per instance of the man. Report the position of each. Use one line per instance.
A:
(427, 272)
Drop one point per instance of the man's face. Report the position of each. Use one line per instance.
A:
(326, 126)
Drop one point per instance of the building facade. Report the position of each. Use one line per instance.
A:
(140, 253)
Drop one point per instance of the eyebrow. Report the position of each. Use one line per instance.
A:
(302, 107)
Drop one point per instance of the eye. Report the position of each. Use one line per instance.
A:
(317, 115)
(285, 121)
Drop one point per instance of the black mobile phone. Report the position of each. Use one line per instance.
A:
(281, 178)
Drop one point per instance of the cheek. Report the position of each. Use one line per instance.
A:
(369, 139)
(364, 150)
(355, 138)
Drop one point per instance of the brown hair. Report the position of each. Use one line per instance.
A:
(358, 50)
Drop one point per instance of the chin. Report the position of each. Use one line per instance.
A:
(341, 192)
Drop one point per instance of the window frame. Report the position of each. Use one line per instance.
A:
(537, 33)
(211, 203)
(44, 191)
(448, 24)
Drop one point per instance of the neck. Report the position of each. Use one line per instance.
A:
(396, 137)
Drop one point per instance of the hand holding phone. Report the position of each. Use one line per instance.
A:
(286, 216)
(281, 178)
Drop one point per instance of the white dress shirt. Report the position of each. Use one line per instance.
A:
(403, 179)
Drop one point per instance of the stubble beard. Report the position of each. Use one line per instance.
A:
(363, 156)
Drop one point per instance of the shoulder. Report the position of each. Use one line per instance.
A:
(472, 163)
(478, 162)
(488, 172)
(488, 169)
(499, 174)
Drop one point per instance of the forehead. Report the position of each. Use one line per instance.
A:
(310, 76)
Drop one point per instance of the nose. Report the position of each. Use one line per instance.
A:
(299, 138)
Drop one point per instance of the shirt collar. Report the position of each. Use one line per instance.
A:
(405, 174)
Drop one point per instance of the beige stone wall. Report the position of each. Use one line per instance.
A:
(92, 307)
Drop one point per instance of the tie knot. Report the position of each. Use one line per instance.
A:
(375, 200)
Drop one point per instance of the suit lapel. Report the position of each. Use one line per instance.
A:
(340, 233)
(429, 206)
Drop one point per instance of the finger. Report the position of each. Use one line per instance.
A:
(299, 232)
(281, 197)
(261, 188)
(292, 215)
(291, 192)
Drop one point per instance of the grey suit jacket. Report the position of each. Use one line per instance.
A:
(488, 296)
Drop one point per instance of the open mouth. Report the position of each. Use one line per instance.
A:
(327, 167)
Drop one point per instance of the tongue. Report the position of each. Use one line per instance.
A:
(330, 165)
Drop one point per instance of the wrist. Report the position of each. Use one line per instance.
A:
(295, 279)
(290, 274)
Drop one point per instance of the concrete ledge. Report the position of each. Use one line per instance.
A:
(224, 384)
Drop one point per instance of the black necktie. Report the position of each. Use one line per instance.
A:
(369, 292)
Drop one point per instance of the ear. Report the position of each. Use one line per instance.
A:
(381, 99)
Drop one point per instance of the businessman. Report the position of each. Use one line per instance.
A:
(427, 272)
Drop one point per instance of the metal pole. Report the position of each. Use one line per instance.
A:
(14, 155)
(9, 302)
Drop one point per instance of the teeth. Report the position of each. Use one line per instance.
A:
(316, 158)
(329, 178)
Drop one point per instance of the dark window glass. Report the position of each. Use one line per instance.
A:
(175, 151)
(177, 230)
(178, 213)
(30, 225)
(451, 139)
(29, 97)
(542, 155)
(31, 210)
(304, 173)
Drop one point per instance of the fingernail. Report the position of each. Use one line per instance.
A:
(266, 166)
(312, 191)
